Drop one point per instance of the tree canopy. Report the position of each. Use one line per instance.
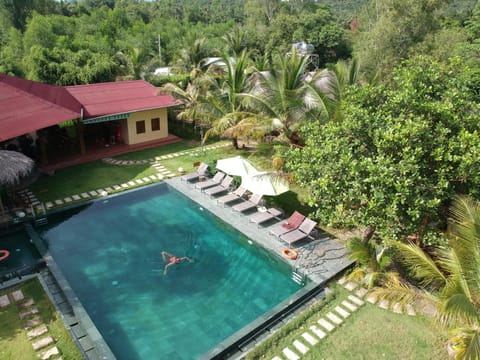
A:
(401, 151)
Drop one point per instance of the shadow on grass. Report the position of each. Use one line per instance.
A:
(289, 202)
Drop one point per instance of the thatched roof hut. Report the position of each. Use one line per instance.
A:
(13, 167)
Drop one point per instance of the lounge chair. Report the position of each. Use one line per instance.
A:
(232, 197)
(248, 204)
(263, 216)
(224, 185)
(216, 180)
(290, 224)
(302, 232)
(201, 171)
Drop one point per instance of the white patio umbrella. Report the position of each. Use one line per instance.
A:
(265, 183)
(237, 166)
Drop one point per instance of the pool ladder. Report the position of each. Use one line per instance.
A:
(298, 277)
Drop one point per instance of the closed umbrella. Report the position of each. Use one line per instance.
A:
(265, 183)
(236, 166)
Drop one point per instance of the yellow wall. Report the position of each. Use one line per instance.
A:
(129, 133)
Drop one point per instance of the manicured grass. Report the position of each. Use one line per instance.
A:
(369, 333)
(86, 177)
(14, 343)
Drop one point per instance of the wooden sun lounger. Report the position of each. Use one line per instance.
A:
(262, 217)
(232, 197)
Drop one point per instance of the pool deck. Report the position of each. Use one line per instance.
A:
(320, 259)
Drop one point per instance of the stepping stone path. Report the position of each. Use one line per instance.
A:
(340, 313)
(162, 173)
(33, 325)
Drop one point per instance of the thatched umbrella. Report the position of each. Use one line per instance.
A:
(13, 167)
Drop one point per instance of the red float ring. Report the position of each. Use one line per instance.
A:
(4, 254)
(290, 254)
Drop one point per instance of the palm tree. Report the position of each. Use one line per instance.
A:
(136, 62)
(193, 54)
(282, 99)
(449, 277)
(224, 103)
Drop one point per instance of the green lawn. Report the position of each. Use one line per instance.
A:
(14, 343)
(369, 333)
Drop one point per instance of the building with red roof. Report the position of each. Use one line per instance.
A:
(129, 112)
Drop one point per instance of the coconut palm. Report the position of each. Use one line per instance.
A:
(14, 167)
(449, 279)
(136, 62)
(192, 55)
(224, 103)
(282, 98)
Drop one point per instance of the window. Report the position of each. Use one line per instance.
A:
(140, 127)
(155, 124)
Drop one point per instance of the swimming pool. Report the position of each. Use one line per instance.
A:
(110, 250)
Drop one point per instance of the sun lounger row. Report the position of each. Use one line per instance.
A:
(297, 227)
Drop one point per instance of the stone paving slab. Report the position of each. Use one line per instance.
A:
(349, 305)
(4, 301)
(49, 353)
(32, 323)
(351, 285)
(276, 358)
(320, 334)
(345, 314)
(309, 338)
(84, 195)
(124, 185)
(325, 324)
(290, 354)
(410, 310)
(37, 331)
(397, 308)
(384, 304)
(300, 346)
(131, 183)
(334, 318)
(361, 292)
(28, 313)
(93, 193)
(372, 299)
(27, 303)
(342, 280)
(76, 197)
(17, 295)
(356, 300)
(40, 344)
(68, 199)
(85, 343)
(58, 202)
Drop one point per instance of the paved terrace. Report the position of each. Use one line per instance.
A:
(320, 259)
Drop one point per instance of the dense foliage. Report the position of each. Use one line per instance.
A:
(400, 153)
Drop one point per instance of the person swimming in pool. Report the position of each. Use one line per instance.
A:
(171, 259)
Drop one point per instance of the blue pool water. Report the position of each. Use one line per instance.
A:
(110, 254)
(23, 254)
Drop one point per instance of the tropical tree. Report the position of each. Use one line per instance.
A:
(282, 99)
(223, 104)
(448, 277)
(192, 55)
(136, 62)
(398, 155)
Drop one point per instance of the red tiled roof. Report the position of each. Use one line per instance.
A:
(27, 105)
(118, 97)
